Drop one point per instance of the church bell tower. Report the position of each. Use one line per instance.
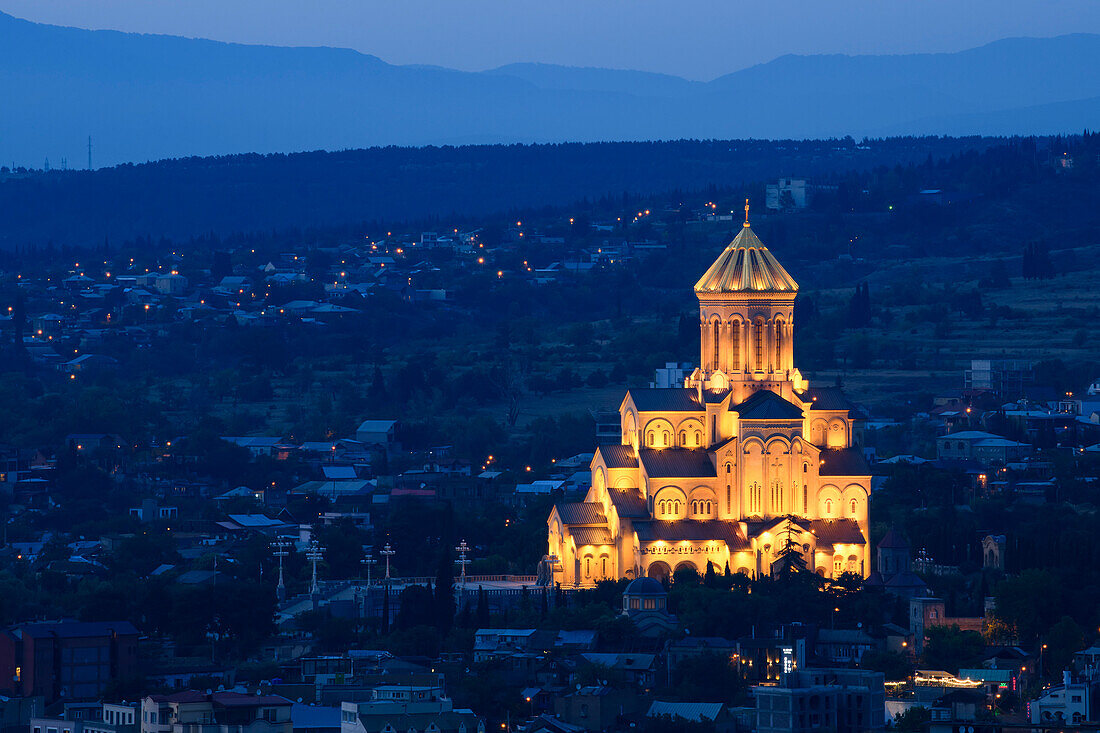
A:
(746, 319)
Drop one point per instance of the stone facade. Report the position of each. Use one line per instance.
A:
(743, 464)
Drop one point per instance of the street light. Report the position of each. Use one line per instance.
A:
(368, 561)
(463, 560)
(282, 549)
(315, 553)
(388, 552)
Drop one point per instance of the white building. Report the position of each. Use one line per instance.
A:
(399, 708)
(1065, 703)
(672, 374)
(376, 432)
(786, 193)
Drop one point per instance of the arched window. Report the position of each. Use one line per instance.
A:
(588, 567)
(838, 564)
(708, 508)
(758, 335)
(729, 499)
(603, 564)
(698, 438)
(735, 345)
(852, 505)
(683, 438)
(668, 439)
(828, 506)
(715, 338)
(778, 345)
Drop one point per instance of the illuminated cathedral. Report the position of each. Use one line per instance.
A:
(739, 468)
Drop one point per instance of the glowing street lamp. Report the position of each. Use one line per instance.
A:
(368, 561)
(282, 549)
(314, 554)
(463, 550)
(388, 552)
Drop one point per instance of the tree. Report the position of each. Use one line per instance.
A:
(951, 648)
(913, 720)
(445, 592)
(1064, 639)
(789, 557)
(1030, 602)
(893, 666)
(416, 607)
(482, 615)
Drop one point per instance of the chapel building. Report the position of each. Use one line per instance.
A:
(739, 466)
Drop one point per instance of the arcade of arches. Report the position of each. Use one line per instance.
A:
(741, 462)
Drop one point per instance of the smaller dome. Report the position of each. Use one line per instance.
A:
(645, 587)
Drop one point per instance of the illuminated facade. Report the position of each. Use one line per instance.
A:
(743, 461)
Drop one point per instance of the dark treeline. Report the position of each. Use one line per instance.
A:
(243, 193)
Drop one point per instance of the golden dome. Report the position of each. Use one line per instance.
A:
(746, 265)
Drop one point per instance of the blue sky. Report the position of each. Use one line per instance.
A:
(698, 39)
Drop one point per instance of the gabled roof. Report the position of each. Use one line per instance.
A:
(843, 462)
(618, 456)
(674, 399)
(746, 265)
(693, 530)
(677, 463)
(826, 398)
(582, 512)
(893, 540)
(693, 711)
(837, 531)
(591, 536)
(629, 503)
(906, 579)
(767, 405)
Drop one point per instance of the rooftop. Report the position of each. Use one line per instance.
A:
(746, 265)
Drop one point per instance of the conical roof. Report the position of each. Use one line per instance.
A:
(746, 265)
(893, 540)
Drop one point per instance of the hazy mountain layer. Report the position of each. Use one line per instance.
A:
(145, 97)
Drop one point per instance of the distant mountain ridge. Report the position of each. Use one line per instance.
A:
(147, 97)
